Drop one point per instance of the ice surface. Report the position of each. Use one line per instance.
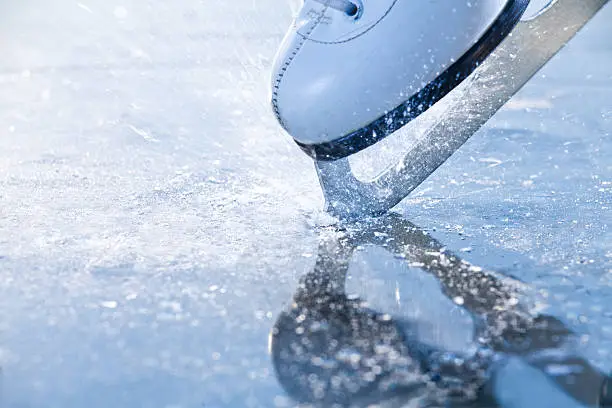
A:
(154, 220)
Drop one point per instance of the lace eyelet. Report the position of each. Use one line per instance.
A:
(356, 11)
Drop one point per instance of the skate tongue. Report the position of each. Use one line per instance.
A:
(321, 21)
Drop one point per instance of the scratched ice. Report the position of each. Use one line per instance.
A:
(159, 234)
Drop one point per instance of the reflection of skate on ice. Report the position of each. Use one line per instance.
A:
(349, 73)
(332, 349)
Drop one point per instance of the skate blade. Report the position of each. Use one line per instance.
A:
(517, 59)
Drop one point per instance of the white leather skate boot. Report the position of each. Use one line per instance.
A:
(350, 72)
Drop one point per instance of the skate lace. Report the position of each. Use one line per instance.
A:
(346, 6)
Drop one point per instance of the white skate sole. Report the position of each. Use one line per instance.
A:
(518, 58)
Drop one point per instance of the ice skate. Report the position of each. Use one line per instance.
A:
(350, 73)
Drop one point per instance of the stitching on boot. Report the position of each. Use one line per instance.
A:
(285, 66)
